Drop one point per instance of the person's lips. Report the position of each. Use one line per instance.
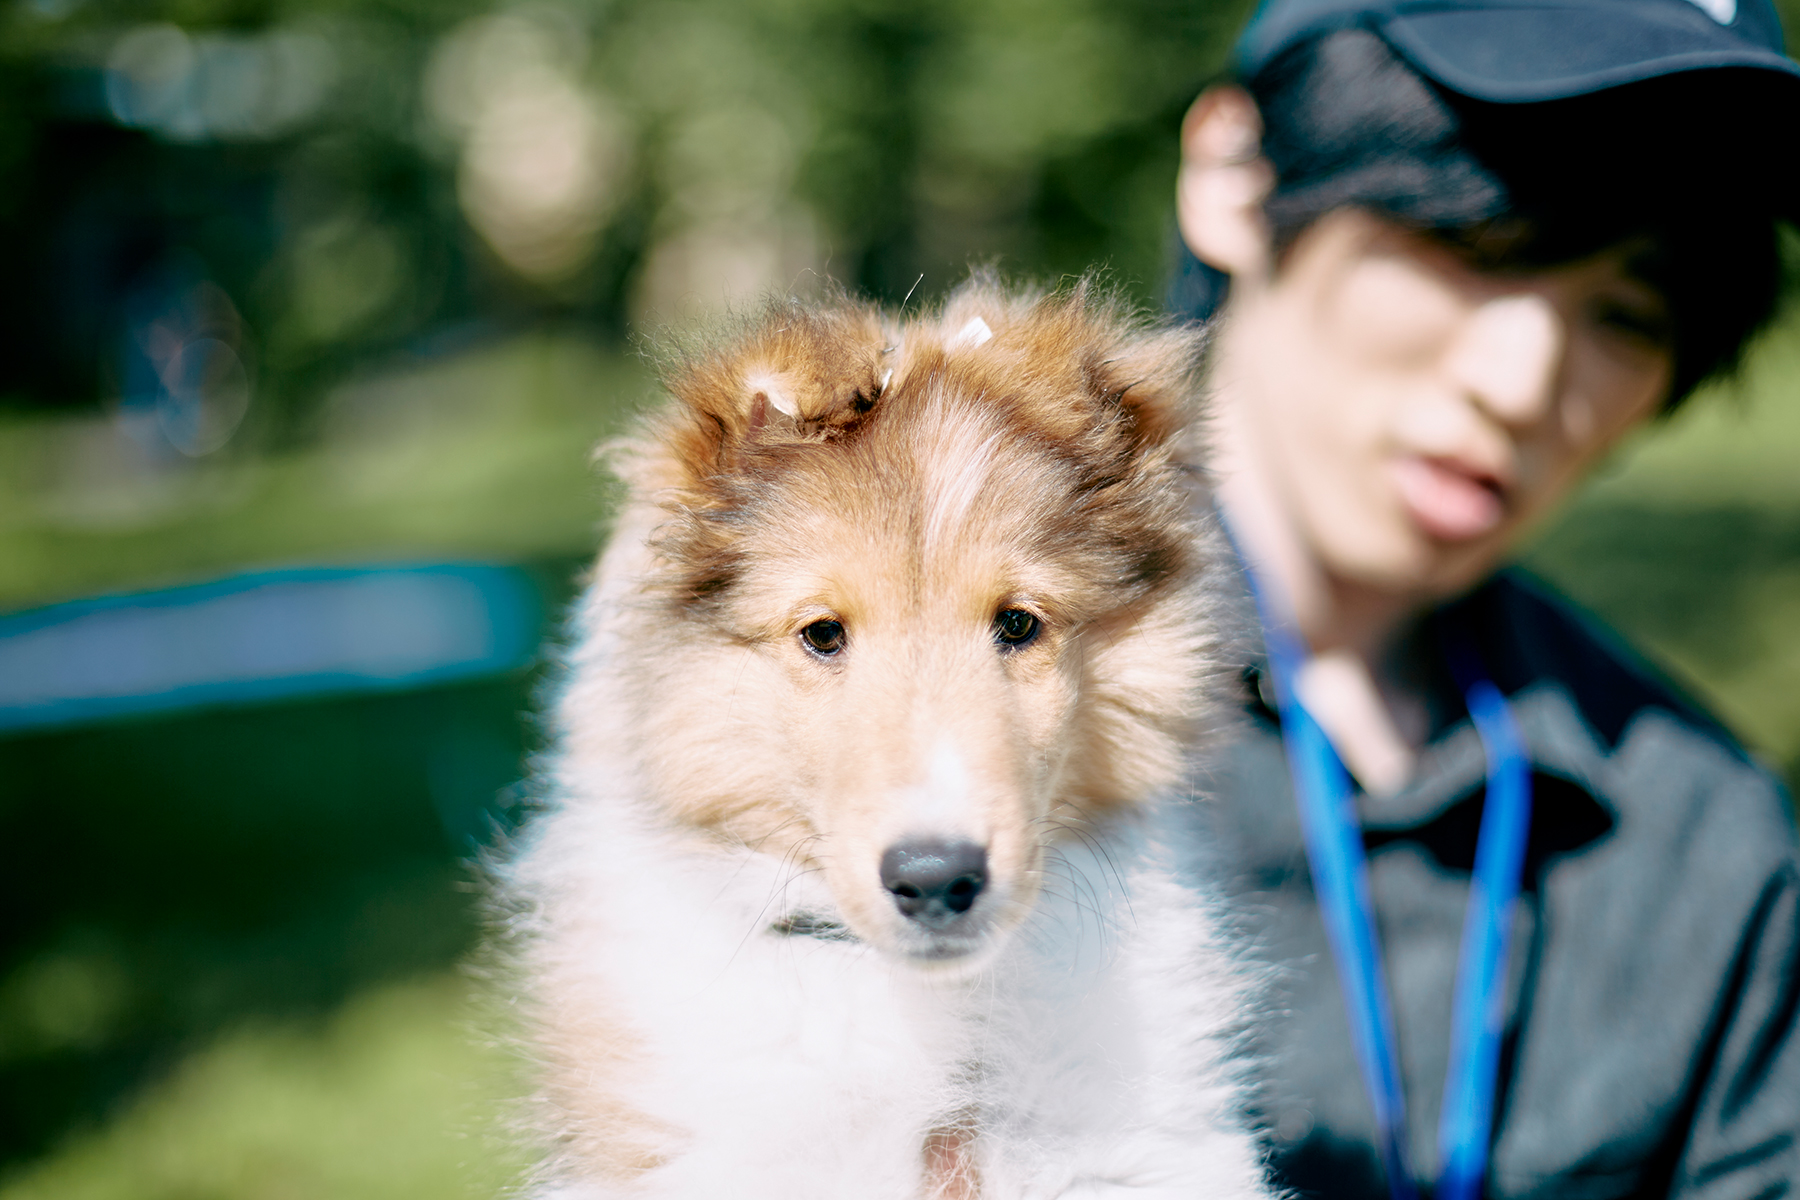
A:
(1449, 500)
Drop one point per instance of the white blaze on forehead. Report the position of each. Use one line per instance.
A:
(955, 467)
(942, 805)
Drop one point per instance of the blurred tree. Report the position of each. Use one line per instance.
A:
(205, 202)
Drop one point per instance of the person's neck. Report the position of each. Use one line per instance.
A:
(1352, 682)
(1331, 614)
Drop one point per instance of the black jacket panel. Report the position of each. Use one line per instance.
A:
(1651, 1045)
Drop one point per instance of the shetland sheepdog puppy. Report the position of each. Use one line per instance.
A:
(856, 879)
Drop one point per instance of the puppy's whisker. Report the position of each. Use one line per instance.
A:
(1094, 906)
(1103, 855)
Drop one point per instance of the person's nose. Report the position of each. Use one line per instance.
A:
(1509, 356)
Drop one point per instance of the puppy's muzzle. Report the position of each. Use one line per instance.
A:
(934, 882)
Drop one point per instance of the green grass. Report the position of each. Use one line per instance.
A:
(483, 455)
(254, 872)
(392, 1097)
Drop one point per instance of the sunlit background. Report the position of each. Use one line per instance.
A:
(311, 312)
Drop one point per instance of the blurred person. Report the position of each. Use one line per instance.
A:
(1457, 251)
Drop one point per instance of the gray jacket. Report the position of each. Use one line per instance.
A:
(1651, 1045)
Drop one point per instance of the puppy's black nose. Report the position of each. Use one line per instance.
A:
(934, 882)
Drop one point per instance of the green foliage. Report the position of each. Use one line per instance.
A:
(356, 177)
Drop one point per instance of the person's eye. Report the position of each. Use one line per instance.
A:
(1644, 323)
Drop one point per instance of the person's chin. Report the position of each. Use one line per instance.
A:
(1399, 554)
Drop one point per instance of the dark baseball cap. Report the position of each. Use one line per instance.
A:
(1523, 51)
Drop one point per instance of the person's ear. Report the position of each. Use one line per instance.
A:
(1224, 180)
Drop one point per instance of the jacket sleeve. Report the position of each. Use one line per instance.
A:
(1744, 1137)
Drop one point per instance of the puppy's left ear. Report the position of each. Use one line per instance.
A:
(1154, 374)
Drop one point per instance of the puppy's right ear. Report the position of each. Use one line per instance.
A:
(796, 374)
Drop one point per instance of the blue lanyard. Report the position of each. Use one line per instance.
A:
(1334, 849)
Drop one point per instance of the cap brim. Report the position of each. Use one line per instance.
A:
(1527, 54)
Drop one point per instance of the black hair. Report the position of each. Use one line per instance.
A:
(1673, 161)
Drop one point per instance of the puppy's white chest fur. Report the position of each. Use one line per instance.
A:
(774, 1055)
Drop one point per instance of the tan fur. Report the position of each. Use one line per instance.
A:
(831, 462)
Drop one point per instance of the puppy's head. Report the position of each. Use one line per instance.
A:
(923, 598)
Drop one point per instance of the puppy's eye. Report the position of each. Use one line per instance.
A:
(824, 637)
(1015, 628)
